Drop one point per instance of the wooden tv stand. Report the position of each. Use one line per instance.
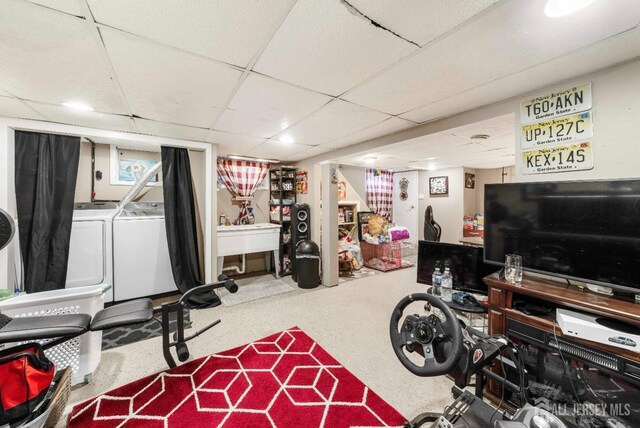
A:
(500, 311)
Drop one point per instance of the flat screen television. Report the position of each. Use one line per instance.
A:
(465, 262)
(583, 230)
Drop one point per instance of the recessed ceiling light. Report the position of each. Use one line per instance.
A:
(370, 159)
(560, 8)
(480, 137)
(286, 139)
(431, 167)
(78, 106)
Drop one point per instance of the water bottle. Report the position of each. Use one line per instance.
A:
(447, 285)
(436, 282)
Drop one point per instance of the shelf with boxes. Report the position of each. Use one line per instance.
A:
(282, 196)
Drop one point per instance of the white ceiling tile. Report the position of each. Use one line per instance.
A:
(231, 31)
(309, 153)
(273, 149)
(510, 38)
(4, 93)
(451, 148)
(51, 57)
(170, 130)
(233, 143)
(13, 107)
(90, 119)
(264, 106)
(167, 85)
(323, 46)
(388, 126)
(583, 61)
(335, 120)
(420, 21)
(68, 6)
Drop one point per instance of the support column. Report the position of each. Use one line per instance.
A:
(329, 177)
(8, 203)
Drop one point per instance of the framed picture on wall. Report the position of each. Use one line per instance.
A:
(363, 223)
(469, 180)
(438, 186)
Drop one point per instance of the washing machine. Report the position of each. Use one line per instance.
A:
(91, 246)
(142, 266)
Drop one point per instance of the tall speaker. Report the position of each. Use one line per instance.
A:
(300, 231)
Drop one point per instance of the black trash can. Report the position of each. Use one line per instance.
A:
(308, 264)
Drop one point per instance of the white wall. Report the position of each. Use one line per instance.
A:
(448, 211)
(616, 126)
(356, 184)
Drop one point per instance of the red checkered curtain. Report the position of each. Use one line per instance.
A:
(379, 186)
(242, 178)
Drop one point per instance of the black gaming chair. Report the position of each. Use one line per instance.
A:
(432, 230)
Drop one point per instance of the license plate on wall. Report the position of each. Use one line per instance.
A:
(573, 157)
(560, 103)
(565, 129)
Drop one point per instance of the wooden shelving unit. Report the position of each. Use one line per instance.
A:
(347, 215)
(282, 196)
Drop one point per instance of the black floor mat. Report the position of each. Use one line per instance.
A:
(118, 336)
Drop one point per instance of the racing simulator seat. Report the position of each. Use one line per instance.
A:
(445, 346)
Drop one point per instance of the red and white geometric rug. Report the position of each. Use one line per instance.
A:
(285, 380)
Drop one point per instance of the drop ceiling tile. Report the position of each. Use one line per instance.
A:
(508, 39)
(335, 120)
(323, 46)
(13, 107)
(420, 21)
(52, 57)
(68, 6)
(273, 149)
(264, 106)
(309, 153)
(167, 85)
(90, 119)
(169, 130)
(614, 50)
(388, 126)
(230, 31)
(233, 143)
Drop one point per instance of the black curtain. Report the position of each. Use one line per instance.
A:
(180, 222)
(46, 172)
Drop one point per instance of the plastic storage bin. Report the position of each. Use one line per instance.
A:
(82, 353)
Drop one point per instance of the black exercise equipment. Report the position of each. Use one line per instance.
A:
(432, 230)
(449, 347)
(7, 228)
(178, 339)
(58, 329)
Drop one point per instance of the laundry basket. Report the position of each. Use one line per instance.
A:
(81, 354)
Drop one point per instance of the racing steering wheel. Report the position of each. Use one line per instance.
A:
(420, 334)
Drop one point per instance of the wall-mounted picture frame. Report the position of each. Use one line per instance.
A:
(469, 180)
(363, 223)
(438, 186)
